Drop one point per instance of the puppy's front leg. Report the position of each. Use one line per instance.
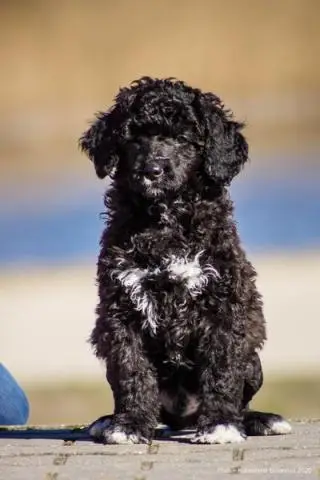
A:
(221, 391)
(135, 391)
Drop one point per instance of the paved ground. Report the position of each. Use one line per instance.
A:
(296, 456)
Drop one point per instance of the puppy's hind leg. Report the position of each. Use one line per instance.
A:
(253, 379)
(259, 423)
(262, 423)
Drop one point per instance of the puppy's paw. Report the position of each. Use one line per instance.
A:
(116, 434)
(97, 428)
(280, 427)
(219, 434)
(261, 423)
(105, 431)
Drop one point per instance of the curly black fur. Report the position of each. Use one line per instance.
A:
(180, 320)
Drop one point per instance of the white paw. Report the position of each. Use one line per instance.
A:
(220, 434)
(280, 427)
(103, 430)
(120, 437)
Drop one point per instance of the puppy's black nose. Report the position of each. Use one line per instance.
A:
(152, 171)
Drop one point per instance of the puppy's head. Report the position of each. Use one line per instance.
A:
(156, 165)
(159, 133)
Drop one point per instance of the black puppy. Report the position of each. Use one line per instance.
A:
(179, 321)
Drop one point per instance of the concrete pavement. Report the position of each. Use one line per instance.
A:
(295, 456)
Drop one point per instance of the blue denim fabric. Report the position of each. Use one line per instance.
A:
(14, 406)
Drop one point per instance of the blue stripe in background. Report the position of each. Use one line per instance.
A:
(273, 214)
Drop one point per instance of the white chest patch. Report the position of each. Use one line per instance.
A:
(180, 269)
(195, 276)
(141, 298)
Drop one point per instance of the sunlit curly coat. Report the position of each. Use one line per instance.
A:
(180, 321)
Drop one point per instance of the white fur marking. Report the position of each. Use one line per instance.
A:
(131, 279)
(195, 276)
(103, 429)
(280, 427)
(121, 438)
(151, 190)
(221, 434)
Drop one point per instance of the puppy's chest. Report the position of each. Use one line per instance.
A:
(168, 275)
(151, 246)
(170, 272)
(168, 232)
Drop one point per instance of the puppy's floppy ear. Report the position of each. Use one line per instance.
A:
(99, 142)
(226, 149)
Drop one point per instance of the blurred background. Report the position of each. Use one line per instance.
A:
(61, 62)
